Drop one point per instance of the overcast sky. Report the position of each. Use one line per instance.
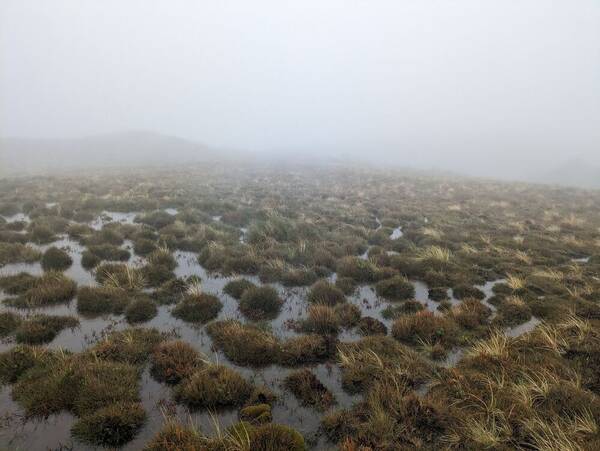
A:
(429, 81)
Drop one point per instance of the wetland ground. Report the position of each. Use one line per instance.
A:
(318, 308)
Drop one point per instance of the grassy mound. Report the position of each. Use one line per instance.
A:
(8, 323)
(141, 310)
(176, 437)
(173, 361)
(397, 288)
(425, 327)
(55, 259)
(374, 358)
(306, 349)
(17, 283)
(198, 308)
(43, 328)
(49, 289)
(236, 288)
(371, 326)
(132, 346)
(244, 344)
(324, 292)
(18, 253)
(93, 301)
(308, 389)
(110, 426)
(213, 386)
(260, 303)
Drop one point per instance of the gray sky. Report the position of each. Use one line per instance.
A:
(432, 82)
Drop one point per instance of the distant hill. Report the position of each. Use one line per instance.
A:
(574, 172)
(27, 156)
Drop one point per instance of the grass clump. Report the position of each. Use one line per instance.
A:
(348, 314)
(18, 253)
(92, 301)
(260, 303)
(464, 291)
(9, 321)
(236, 288)
(270, 437)
(55, 259)
(17, 283)
(357, 269)
(244, 344)
(471, 314)
(213, 386)
(377, 357)
(425, 327)
(512, 311)
(43, 328)
(95, 253)
(198, 308)
(256, 414)
(397, 288)
(176, 437)
(172, 291)
(391, 417)
(438, 294)
(174, 361)
(49, 289)
(162, 257)
(324, 292)
(346, 284)
(322, 319)
(110, 426)
(16, 361)
(141, 310)
(122, 276)
(306, 349)
(371, 326)
(309, 390)
(89, 260)
(132, 346)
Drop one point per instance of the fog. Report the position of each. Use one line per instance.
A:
(505, 89)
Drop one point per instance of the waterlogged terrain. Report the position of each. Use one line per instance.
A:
(248, 308)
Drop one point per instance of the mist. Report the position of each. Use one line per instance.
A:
(497, 89)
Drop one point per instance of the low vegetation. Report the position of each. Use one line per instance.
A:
(478, 328)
